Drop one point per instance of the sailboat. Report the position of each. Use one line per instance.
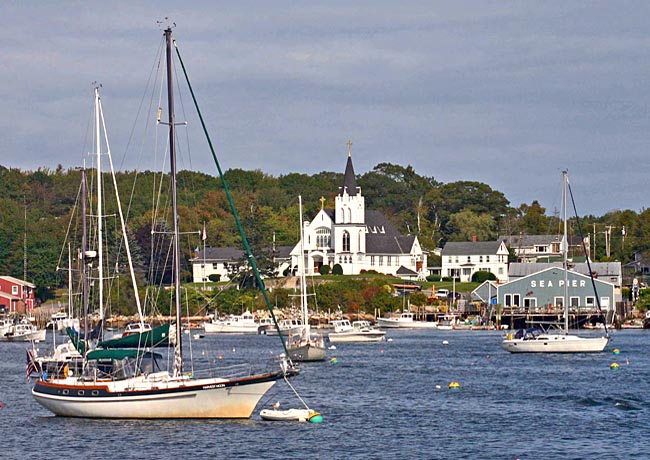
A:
(132, 382)
(306, 345)
(538, 341)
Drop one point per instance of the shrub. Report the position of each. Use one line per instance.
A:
(337, 269)
(215, 277)
(433, 278)
(481, 276)
(325, 270)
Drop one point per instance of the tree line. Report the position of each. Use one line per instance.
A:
(37, 206)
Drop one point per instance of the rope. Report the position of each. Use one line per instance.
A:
(295, 392)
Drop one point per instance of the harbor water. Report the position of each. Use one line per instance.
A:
(383, 400)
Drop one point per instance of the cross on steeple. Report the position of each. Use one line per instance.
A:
(349, 148)
(322, 203)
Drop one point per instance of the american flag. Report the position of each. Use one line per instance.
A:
(30, 367)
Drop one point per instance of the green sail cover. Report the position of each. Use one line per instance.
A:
(158, 336)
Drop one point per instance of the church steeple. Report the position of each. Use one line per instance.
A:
(349, 179)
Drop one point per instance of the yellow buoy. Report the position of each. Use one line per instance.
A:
(616, 351)
(614, 366)
(454, 386)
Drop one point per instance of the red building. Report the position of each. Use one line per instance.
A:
(16, 296)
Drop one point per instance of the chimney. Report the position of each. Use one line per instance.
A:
(474, 239)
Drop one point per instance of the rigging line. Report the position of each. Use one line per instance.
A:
(151, 83)
(67, 232)
(296, 393)
(584, 247)
(249, 253)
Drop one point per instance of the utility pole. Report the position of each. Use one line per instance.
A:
(593, 251)
(608, 239)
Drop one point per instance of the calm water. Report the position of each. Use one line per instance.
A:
(387, 400)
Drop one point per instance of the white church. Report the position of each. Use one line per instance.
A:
(358, 239)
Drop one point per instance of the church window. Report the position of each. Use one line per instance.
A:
(388, 261)
(372, 261)
(381, 260)
(349, 215)
(346, 241)
(323, 237)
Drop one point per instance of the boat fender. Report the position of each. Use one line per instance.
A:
(510, 336)
(454, 386)
(66, 371)
(315, 417)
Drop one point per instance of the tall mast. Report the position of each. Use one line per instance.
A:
(565, 253)
(178, 349)
(84, 248)
(100, 227)
(301, 267)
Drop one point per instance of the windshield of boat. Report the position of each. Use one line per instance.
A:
(120, 369)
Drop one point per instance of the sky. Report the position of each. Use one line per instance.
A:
(508, 93)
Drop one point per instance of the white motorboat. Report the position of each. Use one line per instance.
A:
(60, 321)
(233, 324)
(537, 341)
(287, 327)
(406, 320)
(358, 331)
(24, 331)
(5, 325)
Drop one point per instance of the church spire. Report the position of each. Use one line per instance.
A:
(349, 179)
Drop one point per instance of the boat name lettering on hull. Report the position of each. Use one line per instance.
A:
(209, 387)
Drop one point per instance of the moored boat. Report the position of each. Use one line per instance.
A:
(233, 324)
(405, 320)
(134, 382)
(358, 331)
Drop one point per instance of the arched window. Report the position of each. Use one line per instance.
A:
(323, 237)
(346, 241)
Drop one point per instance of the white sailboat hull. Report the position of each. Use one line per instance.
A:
(140, 398)
(307, 352)
(556, 343)
(372, 336)
(225, 328)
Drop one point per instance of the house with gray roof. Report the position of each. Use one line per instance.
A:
(462, 259)
(357, 239)
(539, 248)
(227, 262)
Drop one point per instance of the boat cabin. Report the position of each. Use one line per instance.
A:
(120, 364)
